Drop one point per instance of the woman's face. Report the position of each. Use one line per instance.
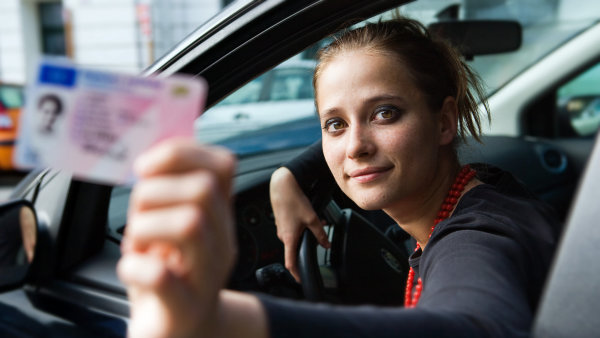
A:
(380, 138)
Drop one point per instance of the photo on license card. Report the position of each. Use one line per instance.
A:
(95, 123)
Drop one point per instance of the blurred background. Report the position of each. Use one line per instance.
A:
(120, 35)
(115, 35)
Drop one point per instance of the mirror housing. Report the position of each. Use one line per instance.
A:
(480, 37)
(18, 242)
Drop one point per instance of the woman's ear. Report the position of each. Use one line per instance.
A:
(448, 121)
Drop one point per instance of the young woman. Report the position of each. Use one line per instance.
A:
(392, 102)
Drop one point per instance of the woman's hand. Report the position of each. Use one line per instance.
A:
(293, 213)
(179, 246)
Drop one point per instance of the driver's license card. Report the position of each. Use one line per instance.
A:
(94, 123)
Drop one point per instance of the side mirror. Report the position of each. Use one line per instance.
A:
(18, 241)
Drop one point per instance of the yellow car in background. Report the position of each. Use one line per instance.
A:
(11, 103)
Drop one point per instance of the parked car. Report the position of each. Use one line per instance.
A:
(282, 94)
(71, 288)
(11, 103)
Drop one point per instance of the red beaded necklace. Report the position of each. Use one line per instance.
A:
(464, 176)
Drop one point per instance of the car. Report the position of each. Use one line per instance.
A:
(11, 103)
(285, 92)
(70, 288)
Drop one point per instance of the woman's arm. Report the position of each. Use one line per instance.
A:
(310, 170)
(179, 247)
(293, 213)
(289, 189)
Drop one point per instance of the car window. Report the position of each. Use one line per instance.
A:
(249, 93)
(546, 25)
(255, 117)
(578, 101)
(569, 111)
(282, 96)
(276, 111)
(292, 84)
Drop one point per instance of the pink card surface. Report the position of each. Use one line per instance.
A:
(95, 123)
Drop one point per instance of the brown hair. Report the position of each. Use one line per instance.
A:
(437, 68)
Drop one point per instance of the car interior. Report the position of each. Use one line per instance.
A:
(81, 223)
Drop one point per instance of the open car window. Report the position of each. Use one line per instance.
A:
(282, 98)
(275, 111)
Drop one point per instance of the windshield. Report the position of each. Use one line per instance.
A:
(546, 25)
(276, 110)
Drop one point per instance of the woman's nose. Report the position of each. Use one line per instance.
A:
(359, 143)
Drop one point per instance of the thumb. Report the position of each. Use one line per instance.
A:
(318, 230)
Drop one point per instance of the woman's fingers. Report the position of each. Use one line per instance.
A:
(318, 230)
(143, 271)
(181, 155)
(179, 243)
(162, 304)
(166, 190)
(187, 212)
(197, 232)
(182, 197)
(290, 236)
(293, 213)
(175, 226)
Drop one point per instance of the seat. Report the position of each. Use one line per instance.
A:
(570, 303)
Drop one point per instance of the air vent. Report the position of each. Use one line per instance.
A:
(553, 160)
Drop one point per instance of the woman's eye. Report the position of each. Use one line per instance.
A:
(334, 125)
(386, 113)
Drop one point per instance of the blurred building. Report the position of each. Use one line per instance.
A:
(120, 35)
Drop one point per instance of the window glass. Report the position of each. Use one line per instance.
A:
(276, 110)
(546, 25)
(283, 96)
(52, 28)
(249, 93)
(292, 84)
(578, 101)
(267, 113)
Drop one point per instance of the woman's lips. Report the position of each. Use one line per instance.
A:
(367, 175)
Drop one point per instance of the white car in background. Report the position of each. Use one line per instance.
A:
(280, 95)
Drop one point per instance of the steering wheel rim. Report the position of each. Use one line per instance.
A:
(310, 275)
(369, 266)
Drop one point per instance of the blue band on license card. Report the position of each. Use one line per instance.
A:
(57, 75)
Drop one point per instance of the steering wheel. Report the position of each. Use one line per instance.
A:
(308, 266)
(369, 267)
